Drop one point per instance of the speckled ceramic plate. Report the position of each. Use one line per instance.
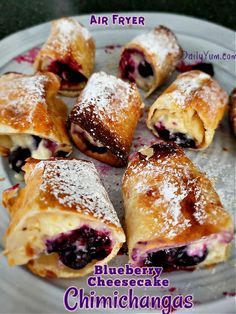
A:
(21, 291)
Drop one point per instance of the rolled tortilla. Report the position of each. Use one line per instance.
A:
(149, 59)
(174, 218)
(189, 110)
(68, 52)
(104, 118)
(62, 223)
(32, 119)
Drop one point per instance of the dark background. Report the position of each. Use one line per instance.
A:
(19, 14)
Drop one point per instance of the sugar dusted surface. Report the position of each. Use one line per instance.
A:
(159, 42)
(22, 95)
(75, 183)
(171, 183)
(192, 84)
(105, 95)
(67, 30)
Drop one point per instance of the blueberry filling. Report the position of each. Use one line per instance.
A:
(62, 153)
(18, 154)
(145, 69)
(175, 258)
(178, 137)
(66, 72)
(130, 62)
(79, 247)
(127, 65)
(94, 148)
(202, 66)
(37, 140)
(17, 157)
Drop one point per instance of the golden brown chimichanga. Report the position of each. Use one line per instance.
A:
(62, 222)
(32, 118)
(189, 110)
(69, 52)
(150, 58)
(174, 218)
(104, 118)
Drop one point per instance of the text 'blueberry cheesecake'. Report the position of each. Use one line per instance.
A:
(62, 222)
(32, 118)
(68, 52)
(104, 118)
(150, 58)
(189, 110)
(174, 217)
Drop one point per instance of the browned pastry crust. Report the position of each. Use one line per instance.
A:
(60, 195)
(28, 105)
(170, 203)
(71, 44)
(108, 109)
(232, 110)
(195, 103)
(108, 157)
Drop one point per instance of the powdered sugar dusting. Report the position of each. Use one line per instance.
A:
(75, 183)
(105, 95)
(187, 85)
(160, 42)
(22, 95)
(86, 34)
(174, 185)
(65, 31)
(198, 84)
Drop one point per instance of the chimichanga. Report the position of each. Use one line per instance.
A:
(62, 223)
(150, 58)
(69, 52)
(104, 118)
(232, 110)
(189, 110)
(174, 218)
(32, 118)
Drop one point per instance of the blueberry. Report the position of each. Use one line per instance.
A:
(37, 140)
(74, 259)
(66, 72)
(174, 258)
(162, 131)
(145, 69)
(71, 75)
(178, 137)
(61, 153)
(183, 140)
(204, 67)
(79, 247)
(94, 148)
(128, 69)
(17, 158)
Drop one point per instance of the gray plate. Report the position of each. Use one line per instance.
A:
(22, 292)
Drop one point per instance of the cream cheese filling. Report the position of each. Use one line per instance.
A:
(186, 122)
(41, 152)
(143, 82)
(76, 130)
(27, 141)
(217, 245)
(36, 229)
